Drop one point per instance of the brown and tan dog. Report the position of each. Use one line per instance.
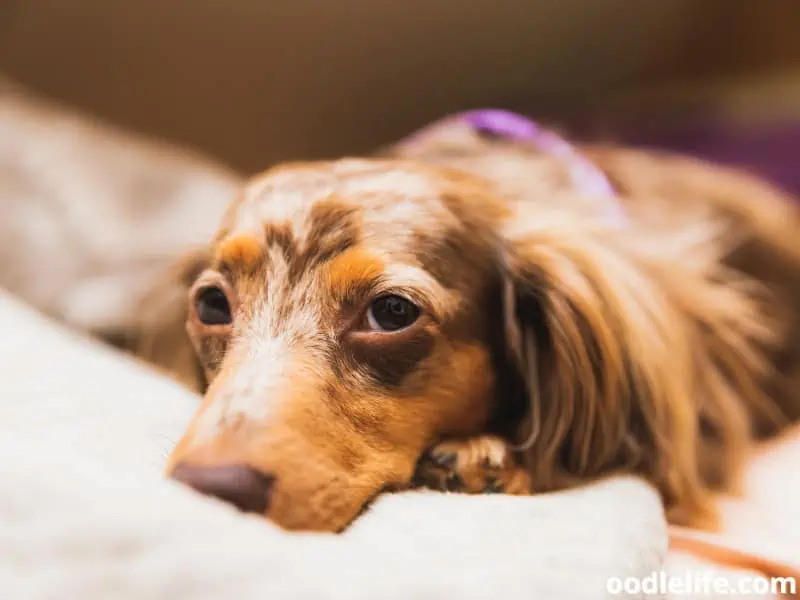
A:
(461, 301)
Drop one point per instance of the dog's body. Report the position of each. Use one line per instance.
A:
(461, 292)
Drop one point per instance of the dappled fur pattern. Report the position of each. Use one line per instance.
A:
(662, 345)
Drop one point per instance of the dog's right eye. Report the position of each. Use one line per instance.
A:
(213, 307)
(391, 313)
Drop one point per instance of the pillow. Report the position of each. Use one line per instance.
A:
(87, 514)
(93, 214)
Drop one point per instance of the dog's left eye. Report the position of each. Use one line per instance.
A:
(213, 307)
(391, 313)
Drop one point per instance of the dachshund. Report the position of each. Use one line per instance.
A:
(483, 312)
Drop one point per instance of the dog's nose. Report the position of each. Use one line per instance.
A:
(244, 487)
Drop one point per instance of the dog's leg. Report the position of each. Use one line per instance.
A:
(479, 465)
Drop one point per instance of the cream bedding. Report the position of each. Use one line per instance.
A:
(85, 513)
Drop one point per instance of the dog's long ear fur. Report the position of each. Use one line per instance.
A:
(161, 338)
(622, 340)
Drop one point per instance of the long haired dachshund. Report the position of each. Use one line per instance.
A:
(484, 312)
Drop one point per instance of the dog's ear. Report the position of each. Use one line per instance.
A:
(161, 338)
(610, 336)
(562, 329)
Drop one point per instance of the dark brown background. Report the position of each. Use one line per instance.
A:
(255, 81)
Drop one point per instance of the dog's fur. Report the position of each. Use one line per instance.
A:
(662, 345)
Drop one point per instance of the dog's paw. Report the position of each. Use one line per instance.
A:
(479, 465)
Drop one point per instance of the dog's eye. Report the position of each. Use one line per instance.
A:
(390, 313)
(213, 307)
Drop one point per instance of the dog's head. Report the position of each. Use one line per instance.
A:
(344, 320)
(349, 314)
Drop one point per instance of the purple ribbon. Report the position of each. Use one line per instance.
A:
(504, 124)
(585, 175)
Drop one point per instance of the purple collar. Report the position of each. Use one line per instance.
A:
(585, 175)
(504, 124)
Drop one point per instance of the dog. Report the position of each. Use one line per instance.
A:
(483, 312)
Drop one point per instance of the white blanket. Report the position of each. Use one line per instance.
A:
(85, 513)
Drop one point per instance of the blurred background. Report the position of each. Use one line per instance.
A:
(126, 125)
(252, 82)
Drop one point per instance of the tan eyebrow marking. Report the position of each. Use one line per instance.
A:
(353, 267)
(243, 251)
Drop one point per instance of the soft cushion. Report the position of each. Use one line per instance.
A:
(85, 512)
